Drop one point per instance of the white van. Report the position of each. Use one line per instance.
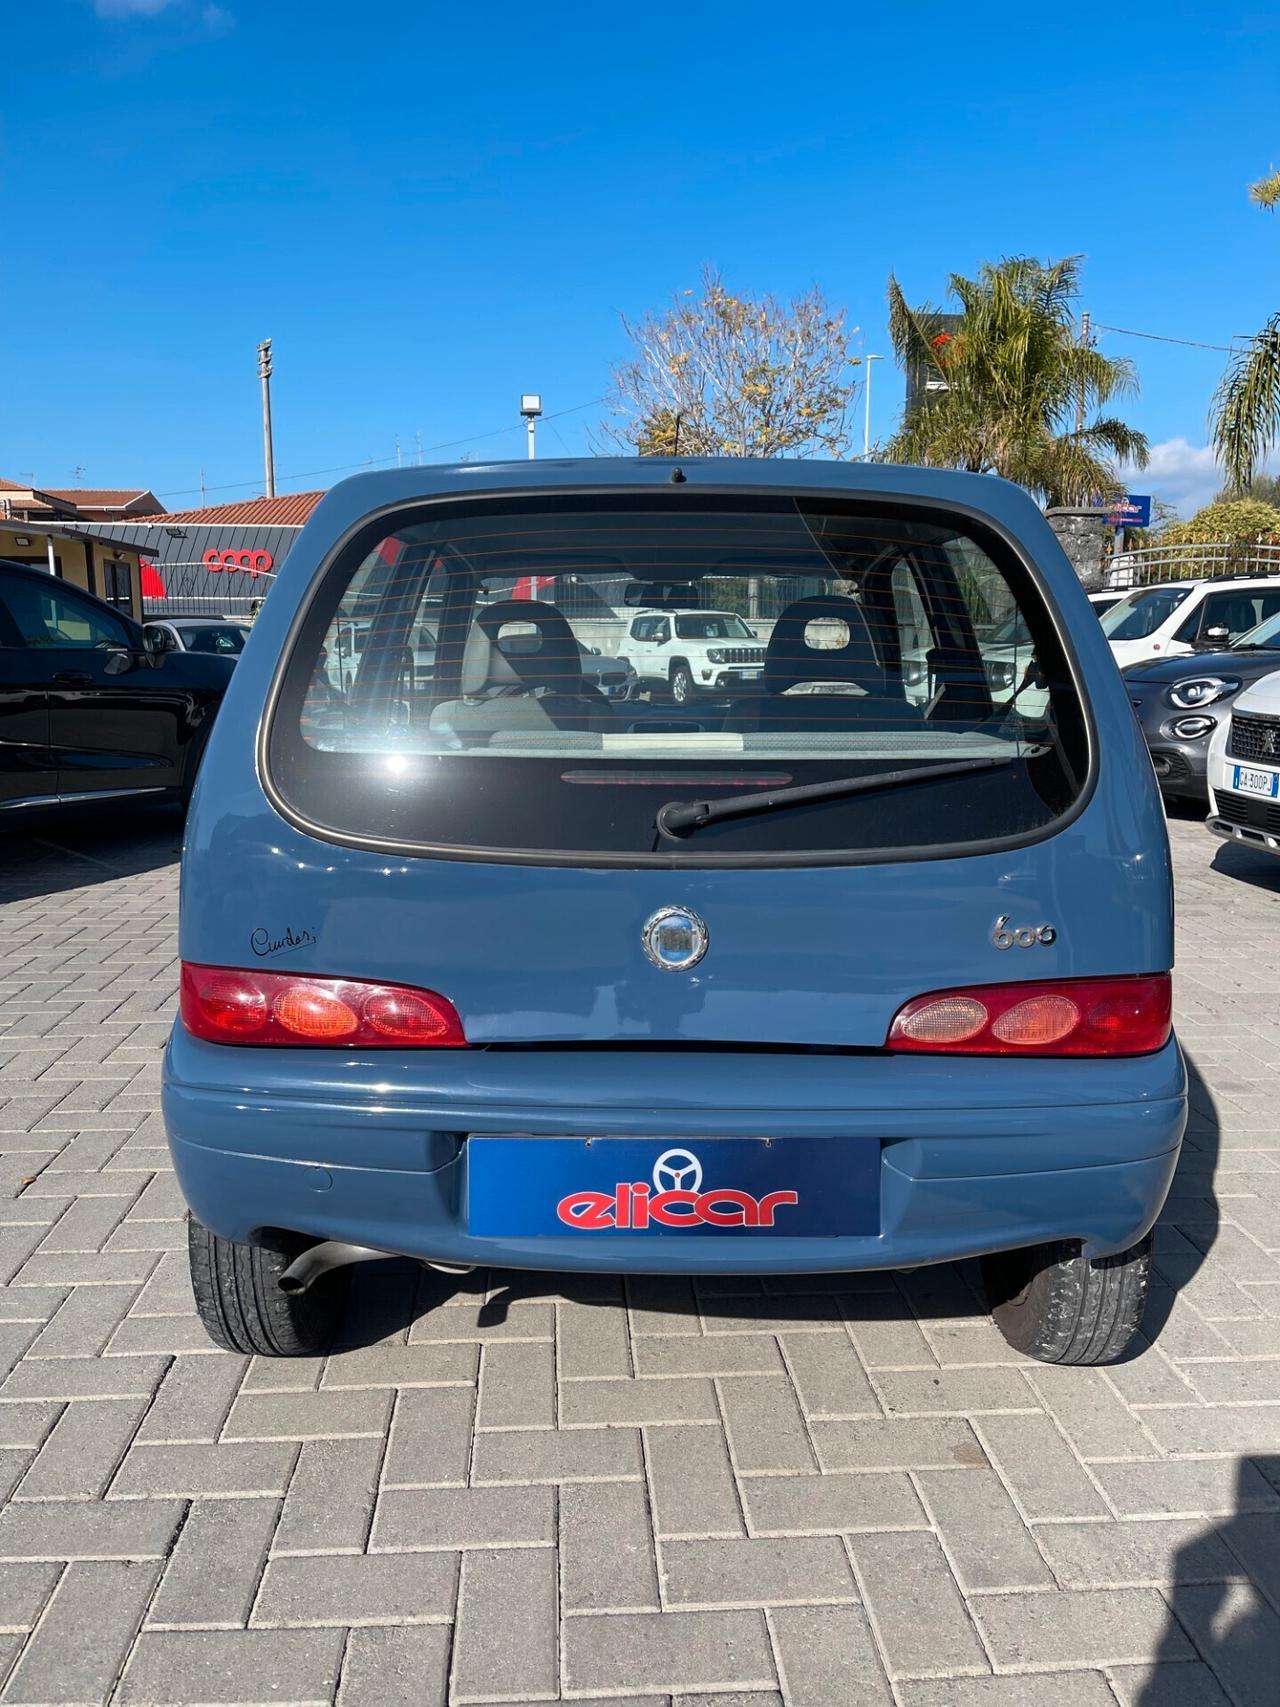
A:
(1173, 618)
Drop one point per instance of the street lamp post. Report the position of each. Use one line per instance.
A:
(268, 448)
(531, 408)
(866, 419)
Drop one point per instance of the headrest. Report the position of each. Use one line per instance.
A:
(793, 657)
(483, 664)
(549, 658)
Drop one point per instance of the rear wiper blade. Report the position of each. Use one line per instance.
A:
(680, 818)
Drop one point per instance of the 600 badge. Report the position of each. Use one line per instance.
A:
(1021, 936)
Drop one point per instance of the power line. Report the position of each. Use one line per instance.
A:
(1160, 338)
(377, 461)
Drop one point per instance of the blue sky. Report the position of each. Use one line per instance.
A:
(431, 209)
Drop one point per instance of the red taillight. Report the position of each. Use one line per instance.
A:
(1070, 1016)
(287, 1010)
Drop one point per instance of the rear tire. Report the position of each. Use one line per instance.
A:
(1052, 1303)
(239, 1301)
(681, 684)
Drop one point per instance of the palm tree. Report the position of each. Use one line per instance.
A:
(1016, 385)
(1246, 420)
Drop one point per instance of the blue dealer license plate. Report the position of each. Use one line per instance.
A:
(606, 1187)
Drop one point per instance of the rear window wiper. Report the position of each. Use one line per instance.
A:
(679, 818)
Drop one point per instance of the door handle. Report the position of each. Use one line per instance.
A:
(73, 679)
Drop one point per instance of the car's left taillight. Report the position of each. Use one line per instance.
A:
(289, 1010)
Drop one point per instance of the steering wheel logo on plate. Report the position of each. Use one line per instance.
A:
(677, 1170)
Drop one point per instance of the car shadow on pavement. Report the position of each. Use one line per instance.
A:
(78, 849)
(1248, 865)
(1189, 1221)
(1234, 1626)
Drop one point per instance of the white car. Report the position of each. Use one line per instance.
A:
(692, 652)
(1173, 618)
(1007, 652)
(1244, 769)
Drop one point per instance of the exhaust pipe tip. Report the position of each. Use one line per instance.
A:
(316, 1260)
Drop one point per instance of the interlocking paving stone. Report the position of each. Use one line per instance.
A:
(403, 1665)
(1046, 1478)
(89, 1529)
(358, 1588)
(23, 1592)
(540, 1455)
(765, 1425)
(423, 1518)
(692, 1482)
(606, 1549)
(713, 1651)
(985, 1539)
(80, 1456)
(505, 1644)
(213, 1574)
(329, 1504)
(826, 1654)
(917, 1612)
(88, 1627)
(226, 1666)
(836, 1504)
(240, 1470)
(1115, 1555)
(1046, 1689)
(774, 1571)
(1102, 1627)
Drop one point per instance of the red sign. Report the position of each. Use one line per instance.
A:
(251, 562)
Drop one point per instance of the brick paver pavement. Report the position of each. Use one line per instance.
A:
(833, 1491)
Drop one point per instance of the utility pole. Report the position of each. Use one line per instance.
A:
(1086, 339)
(866, 419)
(268, 450)
(202, 488)
(417, 437)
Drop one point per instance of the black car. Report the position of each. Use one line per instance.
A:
(1180, 702)
(92, 705)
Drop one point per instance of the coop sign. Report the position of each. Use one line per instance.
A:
(249, 562)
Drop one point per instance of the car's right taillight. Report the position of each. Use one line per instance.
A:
(290, 1010)
(1069, 1016)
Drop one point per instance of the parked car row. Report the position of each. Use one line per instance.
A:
(94, 706)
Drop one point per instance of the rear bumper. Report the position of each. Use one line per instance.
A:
(974, 1156)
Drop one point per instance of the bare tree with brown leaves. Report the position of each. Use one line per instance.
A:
(723, 375)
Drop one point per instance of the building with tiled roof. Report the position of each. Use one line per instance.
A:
(290, 509)
(109, 504)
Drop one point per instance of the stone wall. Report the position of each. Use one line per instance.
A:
(1083, 535)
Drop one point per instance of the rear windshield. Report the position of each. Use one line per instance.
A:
(445, 691)
(1142, 612)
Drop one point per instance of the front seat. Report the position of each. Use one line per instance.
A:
(853, 688)
(523, 682)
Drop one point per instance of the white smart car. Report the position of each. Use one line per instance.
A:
(1244, 769)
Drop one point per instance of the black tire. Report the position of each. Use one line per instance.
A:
(681, 683)
(1052, 1303)
(238, 1297)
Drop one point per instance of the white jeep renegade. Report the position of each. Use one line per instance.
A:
(690, 652)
